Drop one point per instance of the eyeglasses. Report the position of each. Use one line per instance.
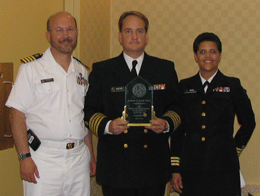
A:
(61, 30)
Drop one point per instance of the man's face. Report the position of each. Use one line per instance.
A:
(133, 36)
(62, 33)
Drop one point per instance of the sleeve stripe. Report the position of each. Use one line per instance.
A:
(175, 118)
(175, 161)
(95, 121)
(239, 151)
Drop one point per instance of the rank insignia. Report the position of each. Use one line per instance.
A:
(81, 80)
(31, 58)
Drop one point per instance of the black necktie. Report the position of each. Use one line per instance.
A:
(133, 71)
(204, 85)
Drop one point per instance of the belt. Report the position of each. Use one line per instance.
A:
(61, 144)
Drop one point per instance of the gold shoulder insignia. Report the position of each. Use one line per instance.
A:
(31, 58)
(81, 63)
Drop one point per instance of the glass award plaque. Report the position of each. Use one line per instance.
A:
(138, 109)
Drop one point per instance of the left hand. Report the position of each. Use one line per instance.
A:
(158, 125)
(93, 166)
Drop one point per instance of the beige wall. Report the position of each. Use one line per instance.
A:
(95, 31)
(173, 28)
(23, 26)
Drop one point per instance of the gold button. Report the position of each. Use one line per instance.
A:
(125, 131)
(203, 102)
(203, 114)
(145, 131)
(203, 126)
(203, 139)
(145, 146)
(125, 145)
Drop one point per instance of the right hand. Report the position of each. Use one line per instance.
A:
(28, 170)
(118, 126)
(176, 182)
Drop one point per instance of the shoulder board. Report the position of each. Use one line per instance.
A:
(31, 58)
(81, 63)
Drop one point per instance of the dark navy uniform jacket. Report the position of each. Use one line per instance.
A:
(137, 157)
(205, 141)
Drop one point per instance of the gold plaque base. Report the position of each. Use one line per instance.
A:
(139, 124)
(124, 116)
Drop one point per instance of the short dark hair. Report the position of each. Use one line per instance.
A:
(206, 37)
(133, 13)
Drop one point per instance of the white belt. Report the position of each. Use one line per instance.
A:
(61, 144)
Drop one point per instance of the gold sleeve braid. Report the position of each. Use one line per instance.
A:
(175, 161)
(175, 118)
(95, 121)
(31, 58)
(239, 151)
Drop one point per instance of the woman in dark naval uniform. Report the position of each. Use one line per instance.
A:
(204, 151)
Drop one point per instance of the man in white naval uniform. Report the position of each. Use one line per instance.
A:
(48, 98)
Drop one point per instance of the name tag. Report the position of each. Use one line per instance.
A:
(190, 91)
(47, 80)
(117, 89)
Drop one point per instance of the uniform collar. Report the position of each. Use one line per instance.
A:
(129, 61)
(50, 62)
(209, 80)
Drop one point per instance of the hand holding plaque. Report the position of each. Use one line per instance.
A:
(138, 110)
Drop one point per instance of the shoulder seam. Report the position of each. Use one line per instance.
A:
(81, 63)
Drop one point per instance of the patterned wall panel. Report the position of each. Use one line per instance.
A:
(94, 31)
(175, 24)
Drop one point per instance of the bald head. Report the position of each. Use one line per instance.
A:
(58, 15)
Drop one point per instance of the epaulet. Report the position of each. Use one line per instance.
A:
(81, 63)
(31, 58)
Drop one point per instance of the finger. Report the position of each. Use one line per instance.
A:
(177, 188)
(180, 184)
(33, 179)
(37, 173)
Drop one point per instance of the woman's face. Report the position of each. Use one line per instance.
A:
(208, 57)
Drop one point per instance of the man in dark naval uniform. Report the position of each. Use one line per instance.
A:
(132, 160)
(204, 151)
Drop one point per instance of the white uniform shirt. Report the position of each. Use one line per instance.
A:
(51, 98)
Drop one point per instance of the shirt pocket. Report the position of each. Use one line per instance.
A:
(191, 104)
(48, 95)
(82, 89)
(78, 95)
(222, 102)
(223, 98)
